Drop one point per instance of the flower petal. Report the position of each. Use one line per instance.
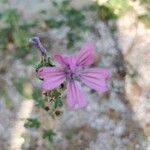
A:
(99, 72)
(75, 95)
(72, 62)
(52, 76)
(95, 78)
(61, 59)
(49, 72)
(66, 60)
(86, 54)
(51, 83)
(70, 95)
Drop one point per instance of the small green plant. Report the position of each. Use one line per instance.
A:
(38, 100)
(49, 135)
(53, 97)
(19, 83)
(72, 18)
(58, 103)
(32, 123)
(110, 9)
(13, 32)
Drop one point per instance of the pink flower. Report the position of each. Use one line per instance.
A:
(74, 69)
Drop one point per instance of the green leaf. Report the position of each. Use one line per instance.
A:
(21, 52)
(19, 82)
(49, 62)
(39, 102)
(58, 103)
(106, 13)
(6, 34)
(53, 23)
(32, 123)
(55, 4)
(48, 134)
(20, 38)
(11, 17)
(72, 38)
(73, 18)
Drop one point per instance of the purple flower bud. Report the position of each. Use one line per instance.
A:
(36, 42)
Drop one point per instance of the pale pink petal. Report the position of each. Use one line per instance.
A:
(61, 59)
(51, 83)
(70, 94)
(86, 54)
(75, 95)
(52, 76)
(95, 78)
(100, 72)
(50, 72)
(66, 60)
(72, 62)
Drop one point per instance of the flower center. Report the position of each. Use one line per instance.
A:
(71, 75)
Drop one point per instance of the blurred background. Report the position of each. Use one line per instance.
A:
(116, 120)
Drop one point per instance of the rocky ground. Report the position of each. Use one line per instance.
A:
(116, 120)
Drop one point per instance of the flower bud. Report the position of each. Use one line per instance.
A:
(35, 41)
